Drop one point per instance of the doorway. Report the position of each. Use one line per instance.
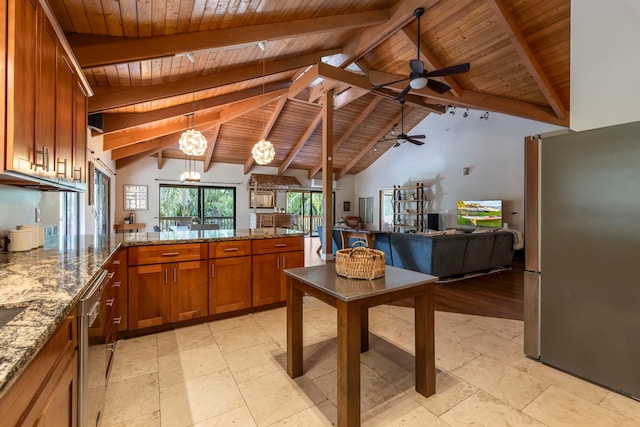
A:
(307, 207)
(102, 192)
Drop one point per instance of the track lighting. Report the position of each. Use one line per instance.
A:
(452, 111)
(466, 114)
(485, 116)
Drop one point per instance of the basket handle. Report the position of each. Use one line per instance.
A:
(359, 242)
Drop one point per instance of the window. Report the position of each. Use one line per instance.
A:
(181, 205)
(69, 214)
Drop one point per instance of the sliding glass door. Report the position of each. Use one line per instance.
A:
(307, 207)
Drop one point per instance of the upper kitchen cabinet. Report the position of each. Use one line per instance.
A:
(46, 105)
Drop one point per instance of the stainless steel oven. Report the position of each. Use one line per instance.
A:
(92, 347)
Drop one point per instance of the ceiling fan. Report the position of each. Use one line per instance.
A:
(403, 137)
(419, 77)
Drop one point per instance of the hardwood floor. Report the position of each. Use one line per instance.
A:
(498, 294)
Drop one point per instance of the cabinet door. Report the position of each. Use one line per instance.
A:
(289, 260)
(79, 133)
(21, 81)
(229, 284)
(189, 293)
(149, 295)
(61, 407)
(46, 92)
(64, 117)
(267, 286)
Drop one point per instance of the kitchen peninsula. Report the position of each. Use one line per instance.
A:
(49, 282)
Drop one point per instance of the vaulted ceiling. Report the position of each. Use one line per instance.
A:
(137, 57)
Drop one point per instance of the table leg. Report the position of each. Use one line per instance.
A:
(294, 329)
(425, 352)
(348, 363)
(364, 329)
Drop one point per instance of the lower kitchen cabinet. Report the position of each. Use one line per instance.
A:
(229, 284)
(268, 279)
(46, 393)
(164, 293)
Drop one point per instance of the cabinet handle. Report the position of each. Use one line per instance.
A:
(111, 347)
(117, 320)
(109, 302)
(230, 249)
(213, 270)
(278, 263)
(166, 275)
(284, 263)
(174, 275)
(170, 253)
(117, 284)
(280, 245)
(110, 275)
(116, 262)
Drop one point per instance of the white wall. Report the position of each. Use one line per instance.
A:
(146, 172)
(604, 63)
(493, 150)
(96, 155)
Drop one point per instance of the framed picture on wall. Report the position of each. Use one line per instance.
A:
(135, 197)
(346, 206)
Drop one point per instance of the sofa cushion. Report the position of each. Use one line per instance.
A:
(478, 252)
(502, 254)
(438, 255)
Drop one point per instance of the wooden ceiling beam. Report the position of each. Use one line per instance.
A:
(141, 147)
(416, 100)
(480, 101)
(385, 130)
(431, 62)
(208, 155)
(143, 133)
(347, 134)
(94, 51)
(303, 140)
(113, 122)
(160, 160)
(109, 98)
(528, 58)
(348, 96)
(267, 129)
(401, 13)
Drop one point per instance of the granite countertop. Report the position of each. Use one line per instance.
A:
(49, 282)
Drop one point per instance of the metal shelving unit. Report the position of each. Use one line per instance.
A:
(409, 205)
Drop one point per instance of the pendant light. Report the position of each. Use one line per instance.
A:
(263, 152)
(192, 142)
(190, 174)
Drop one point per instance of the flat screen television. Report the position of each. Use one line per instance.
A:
(479, 213)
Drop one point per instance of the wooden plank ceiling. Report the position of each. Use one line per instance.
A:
(136, 57)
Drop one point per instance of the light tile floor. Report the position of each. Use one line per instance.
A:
(232, 373)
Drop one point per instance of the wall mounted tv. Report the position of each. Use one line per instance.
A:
(479, 213)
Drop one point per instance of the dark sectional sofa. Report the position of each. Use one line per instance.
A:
(445, 255)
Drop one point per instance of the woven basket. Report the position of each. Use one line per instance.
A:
(360, 262)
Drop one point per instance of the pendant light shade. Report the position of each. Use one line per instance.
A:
(190, 176)
(193, 143)
(263, 152)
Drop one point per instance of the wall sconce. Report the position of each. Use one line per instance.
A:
(485, 116)
(465, 171)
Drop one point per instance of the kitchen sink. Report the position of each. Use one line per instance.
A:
(7, 314)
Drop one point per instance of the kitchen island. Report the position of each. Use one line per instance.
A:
(48, 282)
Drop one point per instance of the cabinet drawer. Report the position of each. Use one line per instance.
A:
(140, 255)
(229, 249)
(282, 244)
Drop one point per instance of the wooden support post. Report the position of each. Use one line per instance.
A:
(327, 175)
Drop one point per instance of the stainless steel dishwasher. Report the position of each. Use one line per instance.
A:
(92, 380)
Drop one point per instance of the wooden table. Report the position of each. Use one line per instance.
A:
(352, 298)
(368, 236)
(129, 227)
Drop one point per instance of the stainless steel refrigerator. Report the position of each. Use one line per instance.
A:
(582, 252)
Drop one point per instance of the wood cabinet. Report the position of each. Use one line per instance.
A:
(161, 291)
(270, 258)
(21, 84)
(46, 123)
(229, 276)
(114, 300)
(46, 392)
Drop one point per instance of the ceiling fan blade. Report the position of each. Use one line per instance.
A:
(414, 141)
(417, 136)
(388, 84)
(403, 93)
(416, 66)
(437, 86)
(447, 71)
